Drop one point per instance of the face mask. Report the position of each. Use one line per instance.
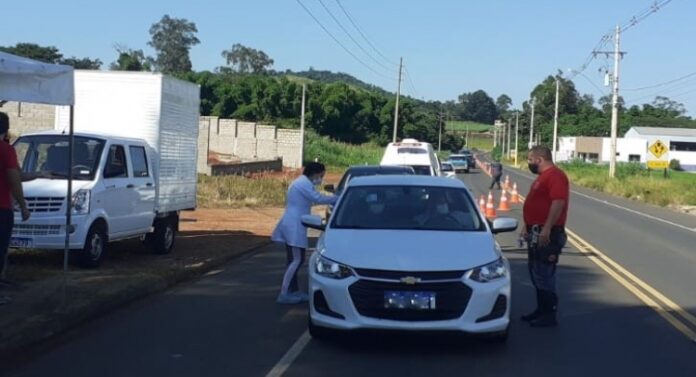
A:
(442, 209)
(534, 168)
(316, 181)
(376, 208)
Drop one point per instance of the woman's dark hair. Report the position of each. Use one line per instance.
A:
(313, 168)
(4, 123)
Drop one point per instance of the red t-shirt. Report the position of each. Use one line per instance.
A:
(552, 184)
(8, 161)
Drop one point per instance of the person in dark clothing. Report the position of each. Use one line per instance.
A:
(545, 211)
(496, 173)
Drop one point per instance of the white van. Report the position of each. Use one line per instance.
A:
(416, 154)
(135, 157)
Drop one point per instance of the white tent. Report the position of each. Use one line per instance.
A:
(26, 80)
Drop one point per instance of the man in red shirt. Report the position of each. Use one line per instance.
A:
(545, 212)
(10, 187)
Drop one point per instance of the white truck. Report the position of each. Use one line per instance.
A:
(417, 154)
(135, 150)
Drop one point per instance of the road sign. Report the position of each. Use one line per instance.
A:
(658, 158)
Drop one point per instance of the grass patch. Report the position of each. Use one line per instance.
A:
(238, 191)
(337, 156)
(458, 125)
(634, 182)
(481, 142)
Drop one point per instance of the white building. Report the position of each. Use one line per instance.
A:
(680, 141)
(597, 149)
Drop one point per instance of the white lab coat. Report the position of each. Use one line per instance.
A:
(301, 197)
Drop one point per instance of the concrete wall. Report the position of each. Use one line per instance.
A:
(29, 117)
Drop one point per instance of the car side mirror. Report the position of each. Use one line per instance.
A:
(504, 224)
(330, 188)
(313, 222)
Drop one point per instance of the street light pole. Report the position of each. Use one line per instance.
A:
(531, 127)
(555, 120)
(615, 105)
(517, 134)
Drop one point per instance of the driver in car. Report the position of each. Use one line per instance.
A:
(440, 212)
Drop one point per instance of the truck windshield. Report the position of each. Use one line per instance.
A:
(48, 155)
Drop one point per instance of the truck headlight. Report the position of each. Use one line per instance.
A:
(491, 271)
(80, 202)
(330, 269)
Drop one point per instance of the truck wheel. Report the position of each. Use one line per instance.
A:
(161, 241)
(94, 249)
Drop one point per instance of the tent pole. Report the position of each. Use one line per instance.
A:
(68, 211)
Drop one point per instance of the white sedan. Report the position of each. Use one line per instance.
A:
(409, 253)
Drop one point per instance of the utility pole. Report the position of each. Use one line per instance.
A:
(531, 127)
(615, 105)
(509, 128)
(302, 125)
(555, 120)
(439, 134)
(517, 134)
(398, 92)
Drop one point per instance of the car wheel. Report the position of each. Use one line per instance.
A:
(319, 332)
(94, 250)
(162, 240)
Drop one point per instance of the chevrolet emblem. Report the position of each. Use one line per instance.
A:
(410, 280)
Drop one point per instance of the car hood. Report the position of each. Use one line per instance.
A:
(409, 250)
(52, 187)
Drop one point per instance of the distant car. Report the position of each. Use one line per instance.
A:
(447, 170)
(469, 155)
(365, 170)
(392, 258)
(460, 163)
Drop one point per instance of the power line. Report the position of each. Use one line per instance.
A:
(409, 80)
(661, 84)
(355, 25)
(341, 44)
(635, 20)
(351, 37)
(664, 92)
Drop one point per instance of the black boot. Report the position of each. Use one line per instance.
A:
(548, 307)
(537, 312)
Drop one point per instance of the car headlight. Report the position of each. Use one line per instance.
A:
(488, 272)
(330, 269)
(80, 202)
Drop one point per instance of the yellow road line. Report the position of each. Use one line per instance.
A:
(660, 303)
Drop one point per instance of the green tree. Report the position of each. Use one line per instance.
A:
(503, 105)
(245, 59)
(478, 106)
(46, 54)
(172, 38)
(84, 63)
(131, 60)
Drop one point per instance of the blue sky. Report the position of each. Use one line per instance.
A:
(449, 47)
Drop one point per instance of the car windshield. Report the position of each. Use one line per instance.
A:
(422, 169)
(447, 167)
(457, 158)
(407, 208)
(350, 174)
(48, 155)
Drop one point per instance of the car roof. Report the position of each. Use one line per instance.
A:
(406, 180)
(457, 155)
(89, 135)
(371, 168)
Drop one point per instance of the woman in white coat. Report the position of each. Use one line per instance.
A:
(302, 195)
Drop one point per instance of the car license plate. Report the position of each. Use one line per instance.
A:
(21, 243)
(409, 300)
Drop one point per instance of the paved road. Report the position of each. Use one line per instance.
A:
(228, 324)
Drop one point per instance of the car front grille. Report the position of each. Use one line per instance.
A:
(398, 275)
(44, 204)
(451, 300)
(35, 230)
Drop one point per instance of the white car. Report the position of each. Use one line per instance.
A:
(409, 253)
(447, 170)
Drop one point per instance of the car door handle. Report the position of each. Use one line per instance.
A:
(130, 186)
(149, 185)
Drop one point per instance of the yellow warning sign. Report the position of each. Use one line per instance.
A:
(658, 149)
(657, 164)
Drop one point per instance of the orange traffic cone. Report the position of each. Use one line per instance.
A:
(490, 207)
(504, 205)
(482, 204)
(507, 182)
(515, 196)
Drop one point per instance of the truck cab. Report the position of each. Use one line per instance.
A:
(114, 194)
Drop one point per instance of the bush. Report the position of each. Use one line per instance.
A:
(335, 154)
(674, 164)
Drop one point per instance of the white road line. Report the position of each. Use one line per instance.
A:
(284, 363)
(633, 211)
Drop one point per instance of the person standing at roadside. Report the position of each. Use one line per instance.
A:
(496, 173)
(10, 188)
(302, 195)
(545, 211)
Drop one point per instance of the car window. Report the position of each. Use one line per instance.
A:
(422, 169)
(363, 173)
(116, 163)
(407, 208)
(139, 159)
(447, 167)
